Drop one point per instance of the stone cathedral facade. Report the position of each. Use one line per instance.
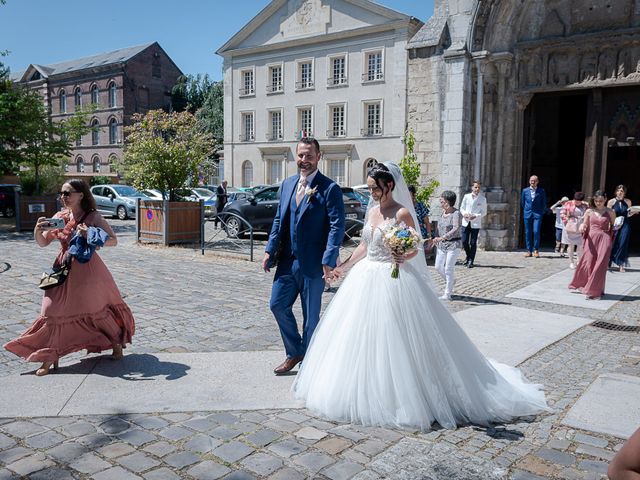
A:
(499, 90)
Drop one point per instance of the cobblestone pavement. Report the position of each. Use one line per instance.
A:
(186, 302)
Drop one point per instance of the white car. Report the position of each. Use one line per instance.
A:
(152, 193)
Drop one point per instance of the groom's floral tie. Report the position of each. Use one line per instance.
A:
(302, 184)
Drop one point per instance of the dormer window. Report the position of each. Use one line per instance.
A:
(35, 76)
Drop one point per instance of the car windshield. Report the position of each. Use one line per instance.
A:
(364, 198)
(269, 194)
(126, 191)
(203, 192)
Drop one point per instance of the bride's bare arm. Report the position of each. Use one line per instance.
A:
(358, 254)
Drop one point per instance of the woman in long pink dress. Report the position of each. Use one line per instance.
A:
(86, 311)
(597, 230)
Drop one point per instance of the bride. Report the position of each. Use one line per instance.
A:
(387, 352)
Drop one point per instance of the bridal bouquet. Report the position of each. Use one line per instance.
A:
(400, 239)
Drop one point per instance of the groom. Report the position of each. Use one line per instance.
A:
(304, 242)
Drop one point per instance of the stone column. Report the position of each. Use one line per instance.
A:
(480, 59)
(502, 62)
(455, 138)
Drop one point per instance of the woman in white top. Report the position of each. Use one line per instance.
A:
(473, 208)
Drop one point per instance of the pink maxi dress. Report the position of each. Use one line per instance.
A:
(591, 273)
(85, 312)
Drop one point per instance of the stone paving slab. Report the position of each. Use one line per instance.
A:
(512, 334)
(143, 383)
(610, 405)
(25, 395)
(554, 290)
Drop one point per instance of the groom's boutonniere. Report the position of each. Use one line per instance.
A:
(310, 192)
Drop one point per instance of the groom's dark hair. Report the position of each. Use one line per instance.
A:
(383, 177)
(310, 141)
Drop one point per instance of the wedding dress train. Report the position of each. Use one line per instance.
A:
(387, 352)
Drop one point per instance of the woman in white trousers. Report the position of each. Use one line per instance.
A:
(448, 242)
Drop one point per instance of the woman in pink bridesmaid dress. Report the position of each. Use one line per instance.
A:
(597, 230)
(86, 311)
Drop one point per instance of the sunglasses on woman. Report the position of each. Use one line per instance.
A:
(65, 194)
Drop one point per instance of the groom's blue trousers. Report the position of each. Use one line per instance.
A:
(288, 283)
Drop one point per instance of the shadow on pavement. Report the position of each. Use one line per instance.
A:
(478, 300)
(133, 367)
(500, 432)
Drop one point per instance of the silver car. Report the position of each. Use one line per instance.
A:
(117, 200)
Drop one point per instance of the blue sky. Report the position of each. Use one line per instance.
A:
(190, 31)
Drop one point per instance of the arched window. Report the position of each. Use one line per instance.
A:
(113, 161)
(95, 132)
(368, 165)
(95, 95)
(113, 131)
(80, 165)
(96, 164)
(63, 101)
(247, 173)
(77, 95)
(112, 94)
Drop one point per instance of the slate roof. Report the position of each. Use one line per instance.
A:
(431, 32)
(116, 56)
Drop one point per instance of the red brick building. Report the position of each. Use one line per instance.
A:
(121, 83)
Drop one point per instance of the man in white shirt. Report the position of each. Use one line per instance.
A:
(473, 208)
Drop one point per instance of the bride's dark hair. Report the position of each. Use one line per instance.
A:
(383, 177)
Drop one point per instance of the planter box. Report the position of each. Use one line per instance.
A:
(169, 223)
(32, 207)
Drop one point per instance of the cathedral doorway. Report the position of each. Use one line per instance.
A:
(555, 132)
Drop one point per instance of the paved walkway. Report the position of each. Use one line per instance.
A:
(190, 306)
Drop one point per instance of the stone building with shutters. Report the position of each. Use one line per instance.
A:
(499, 90)
(335, 70)
(120, 83)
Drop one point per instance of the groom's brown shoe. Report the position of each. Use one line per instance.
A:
(287, 365)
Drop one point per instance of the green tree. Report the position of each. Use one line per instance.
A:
(28, 138)
(165, 151)
(203, 97)
(190, 93)
(410, 169)
(211, 114)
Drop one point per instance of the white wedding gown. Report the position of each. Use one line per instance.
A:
(387, 352)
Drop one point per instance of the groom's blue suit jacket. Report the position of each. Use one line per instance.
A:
(312, 232)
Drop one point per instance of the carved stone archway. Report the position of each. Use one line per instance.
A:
(523, 49)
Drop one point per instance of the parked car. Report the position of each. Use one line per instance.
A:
(8, 199)
(356, 195)
(152, 193)
(363, 191)
(196, 194)
(260, 210)
(117, 200)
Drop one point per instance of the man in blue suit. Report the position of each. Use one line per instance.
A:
(304, 241)
(534, 205)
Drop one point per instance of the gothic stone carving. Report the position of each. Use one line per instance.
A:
(593, 61)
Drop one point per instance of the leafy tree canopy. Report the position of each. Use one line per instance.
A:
(165, 151)
(205, 99)
(27, 136)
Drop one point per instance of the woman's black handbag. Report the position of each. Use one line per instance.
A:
(54, 277)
